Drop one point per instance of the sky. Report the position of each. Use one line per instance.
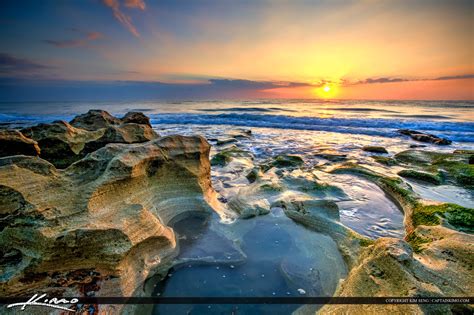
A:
(143, 49)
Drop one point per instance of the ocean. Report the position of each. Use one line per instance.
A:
(450, 119)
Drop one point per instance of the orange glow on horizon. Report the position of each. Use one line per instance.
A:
(327, 91)
(462, 89)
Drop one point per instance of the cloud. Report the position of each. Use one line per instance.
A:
(253, 85)
(394, 80)
(122, 17)
(14, 89)
(68, 43)
(18, 66)
(456, 77)
(382, 80)
(135, 4)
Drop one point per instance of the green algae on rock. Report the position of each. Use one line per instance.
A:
(253, 175)
(416, 211)
(283, 161)
(287, 160)
(385, 160)
(223, 157)
(421, 176)
(331, 155)
(455, 167)
(417, 242)
(458, 216)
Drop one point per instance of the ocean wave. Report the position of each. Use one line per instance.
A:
(238, 109)
(423, 116)
(358, 109)
(456, 131)
(20, 118)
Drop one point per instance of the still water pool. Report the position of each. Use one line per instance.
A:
(267, 256)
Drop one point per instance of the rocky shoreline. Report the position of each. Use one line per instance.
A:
(86, 207)
(96, 226)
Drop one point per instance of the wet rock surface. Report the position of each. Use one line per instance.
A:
(332, 156)
(424, 137)
(423, 264)
(445, 167)
(374, 149)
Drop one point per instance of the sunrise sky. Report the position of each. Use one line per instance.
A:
(236, 49)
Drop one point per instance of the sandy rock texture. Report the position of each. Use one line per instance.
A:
(99, 226)
(434, 260)
(13, 142)
(64, 143)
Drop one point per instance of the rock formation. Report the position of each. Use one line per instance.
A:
(99, 226)
(13, 142)
(424, 137)
(62, 143)
(95, 119)
(136, 118)
(374, 149)
(447, 168)
(434, 260)
(389, 268)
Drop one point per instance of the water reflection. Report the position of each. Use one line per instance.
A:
(268, 256)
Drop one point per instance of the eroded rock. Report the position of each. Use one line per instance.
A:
(284, 161)
(136, 118)
(13, 142)
(107, 213)
(454, 167)
(424, 137)
(421, 176)
(332, 156)
(389, 268)
(387, 161)
(62, 143)
(374, 149)
(226, 155)
(95, 119)
(124, 133)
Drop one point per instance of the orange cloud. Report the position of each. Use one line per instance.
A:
(122, 17)
(447, 89)
(135, 4)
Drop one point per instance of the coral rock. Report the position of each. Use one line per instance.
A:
(100, 224)
(13, 142)
(136, 118)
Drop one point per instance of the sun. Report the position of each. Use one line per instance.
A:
(326, 91)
